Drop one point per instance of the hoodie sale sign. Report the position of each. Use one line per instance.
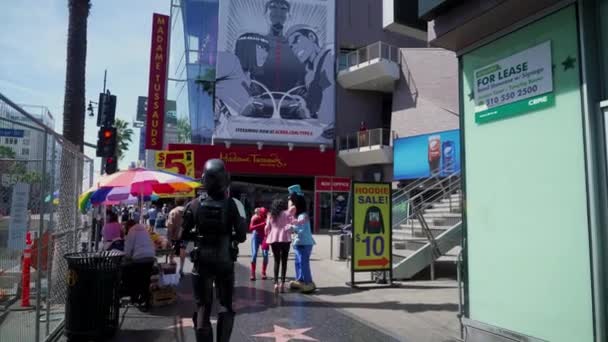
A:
(372, 245)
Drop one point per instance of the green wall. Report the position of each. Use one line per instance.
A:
(526, 206)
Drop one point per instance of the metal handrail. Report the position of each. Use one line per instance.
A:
(421, 201)
(366, 138)
(448, 183)
(422, 183)
(378, 50)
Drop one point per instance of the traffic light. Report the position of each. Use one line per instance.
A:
(106, 110)
(106, 142)
(111, 165)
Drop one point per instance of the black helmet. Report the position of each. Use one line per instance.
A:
(215, 178)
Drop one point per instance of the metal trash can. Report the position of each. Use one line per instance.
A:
(92, 306)
(344, 246)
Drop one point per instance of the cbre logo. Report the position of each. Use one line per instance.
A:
(539, 100)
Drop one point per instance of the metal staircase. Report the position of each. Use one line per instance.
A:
(430, 227)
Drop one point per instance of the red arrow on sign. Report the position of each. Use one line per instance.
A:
(373, 262)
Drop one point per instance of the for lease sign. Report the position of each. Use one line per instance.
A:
(514, 85)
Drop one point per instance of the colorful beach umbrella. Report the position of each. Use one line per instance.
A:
(134, 184)
(146, 182)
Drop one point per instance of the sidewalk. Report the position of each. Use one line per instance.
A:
(261, 316)
(415, 311)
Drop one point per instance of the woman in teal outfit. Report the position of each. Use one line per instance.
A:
(303, 241)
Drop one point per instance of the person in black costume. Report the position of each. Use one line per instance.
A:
(217, 226)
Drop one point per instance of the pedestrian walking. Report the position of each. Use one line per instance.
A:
(279, 239)
(303, 241)
(152, 214)
(135, 215)
(258, 239)
(124, 215)
(175, 221)
(217, 225)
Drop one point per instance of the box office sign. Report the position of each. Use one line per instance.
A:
(515, 85)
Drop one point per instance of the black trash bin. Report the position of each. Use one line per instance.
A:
(92, 306)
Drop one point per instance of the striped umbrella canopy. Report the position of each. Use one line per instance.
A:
(109, 196)
(140, 183)
(144, 182)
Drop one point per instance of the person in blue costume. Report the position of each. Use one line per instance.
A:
(303, 241)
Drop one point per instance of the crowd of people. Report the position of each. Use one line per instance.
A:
(276, 229)
(137, 235)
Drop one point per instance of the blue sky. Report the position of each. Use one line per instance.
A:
(33, 45)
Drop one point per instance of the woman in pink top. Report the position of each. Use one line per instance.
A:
(278, 236)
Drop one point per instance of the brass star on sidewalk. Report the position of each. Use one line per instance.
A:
(281, 334)
(568, 63)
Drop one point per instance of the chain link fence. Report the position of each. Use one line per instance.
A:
(41, 176)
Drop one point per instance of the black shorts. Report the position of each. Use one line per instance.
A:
(178, 245)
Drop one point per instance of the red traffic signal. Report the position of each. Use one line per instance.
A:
(106, 143)
(111, 165)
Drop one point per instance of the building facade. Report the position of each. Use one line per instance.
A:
(328, 86)
(533, 96)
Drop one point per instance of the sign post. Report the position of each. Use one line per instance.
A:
(372, 243)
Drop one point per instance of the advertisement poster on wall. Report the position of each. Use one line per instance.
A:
(275, 78)
(426, 155)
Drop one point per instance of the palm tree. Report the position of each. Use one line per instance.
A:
(73, 131)
(184, 130)
(124, 136)
(74, 100)
(207, 82)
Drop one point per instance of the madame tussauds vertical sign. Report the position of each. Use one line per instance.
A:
(158, 79)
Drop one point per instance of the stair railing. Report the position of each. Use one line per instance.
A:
(433, 190)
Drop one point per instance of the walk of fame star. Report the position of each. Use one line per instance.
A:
(281, 334)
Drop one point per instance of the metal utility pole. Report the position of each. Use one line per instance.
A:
(105, 75)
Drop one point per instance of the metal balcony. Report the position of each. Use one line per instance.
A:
(374, 146)
(374, 67)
